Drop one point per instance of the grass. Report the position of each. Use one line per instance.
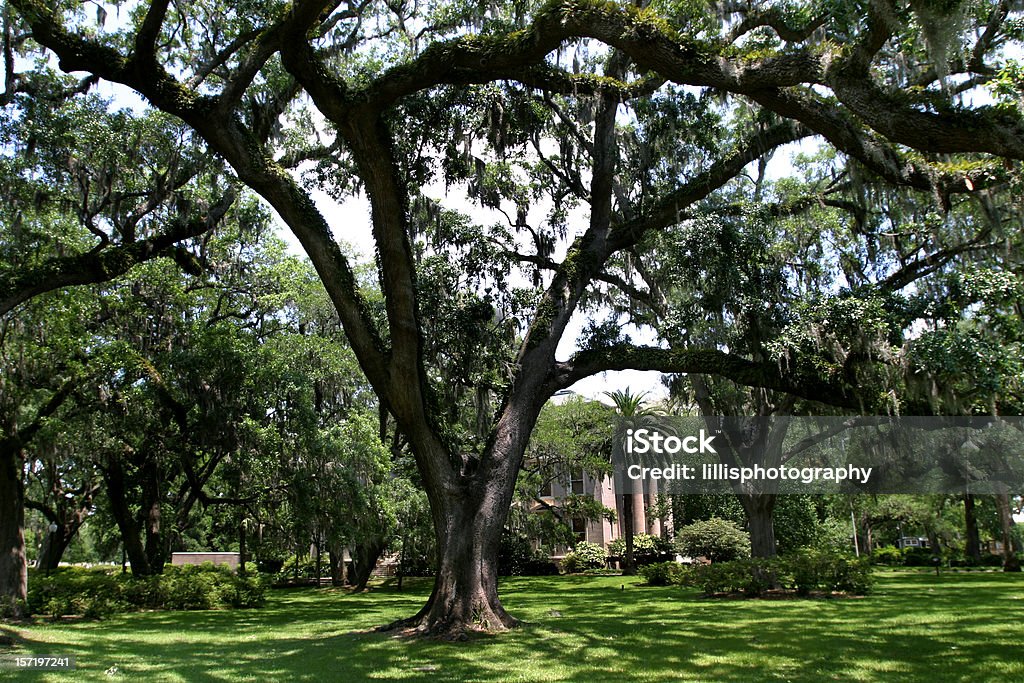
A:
(914, 627)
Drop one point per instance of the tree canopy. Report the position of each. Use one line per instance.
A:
(596, 128)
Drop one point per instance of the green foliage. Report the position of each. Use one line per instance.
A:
(96, 593)
(829, 572)
(718, 540)
(517, 557)
(667, 574)
(795, 522)
(889, 555)
(804, 572)
(697, 507)
(646, 548)
(584, 556)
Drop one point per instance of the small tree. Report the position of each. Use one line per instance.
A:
(717, 539)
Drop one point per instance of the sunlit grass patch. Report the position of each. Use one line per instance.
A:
(913, 627)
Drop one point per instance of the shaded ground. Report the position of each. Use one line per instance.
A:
(587, 629)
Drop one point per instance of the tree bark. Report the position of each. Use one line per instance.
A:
(55, 543)
(336, 557)
(465, 593)
(1010, 561)
(13, 562)
(113, 476)
(628, 530)
(364, 559)
(760, 509)
(242, 549)
(971, 527)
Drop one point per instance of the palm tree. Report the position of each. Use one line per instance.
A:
(634, 413)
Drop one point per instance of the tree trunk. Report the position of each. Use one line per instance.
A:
(13, 563)
(113, 475)
(319, 553)
(760, 509)
(971, 528)
(465, 594)
(156, 551)
(364, 559)
(628, 560)
(1010, 561)
(336, 558)
(54, 545)
(242, 550)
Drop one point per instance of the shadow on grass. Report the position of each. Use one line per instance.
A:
(915, 627)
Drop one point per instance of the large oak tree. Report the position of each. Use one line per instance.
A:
(390, 88)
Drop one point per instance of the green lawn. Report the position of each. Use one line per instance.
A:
(914, 627)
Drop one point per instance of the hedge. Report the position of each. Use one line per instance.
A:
(802, 573)
(96, 593)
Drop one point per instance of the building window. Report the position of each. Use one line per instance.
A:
(579, 529)
(576, 482)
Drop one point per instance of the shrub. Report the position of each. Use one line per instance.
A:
(829, 572)
(666, 574)
(917, 557)
(716, 539)
(584, 556)
(850, 575)
(990, 560)
(751, 577)
(647, 549)
(516, 557)
(804, 573)
(75, 591)
(514, 552)
(541, 565)
(889, 555)
(99, 593)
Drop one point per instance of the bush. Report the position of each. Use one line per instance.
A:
(647, 549)
(96, 593)
(542, 565)
(516, 557)
(716, 539)
(918, 557)
(829, 572)
(804, 573)
(75, 591)
(584, 556)
(667, 574)
(752, 577)
(889, 555)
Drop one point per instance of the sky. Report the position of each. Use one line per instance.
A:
(351, 223)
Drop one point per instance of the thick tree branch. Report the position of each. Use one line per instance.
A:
(230, 139)
(14, 442)
(20, 285)
(672, 208)
(746, 372)
(775, 18)
(850, 138)
(149, 31)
